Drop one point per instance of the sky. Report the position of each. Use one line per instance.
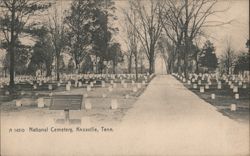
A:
(237, 32)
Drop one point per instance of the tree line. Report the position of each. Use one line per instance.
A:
(85, 32)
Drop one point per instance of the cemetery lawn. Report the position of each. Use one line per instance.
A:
(224, 98)
(100, 99)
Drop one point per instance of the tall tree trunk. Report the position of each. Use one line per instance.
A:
(130, 64)
(113, 67)
(12, 52)
(136, 66)
(57, 68)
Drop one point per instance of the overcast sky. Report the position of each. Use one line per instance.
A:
(237, 32)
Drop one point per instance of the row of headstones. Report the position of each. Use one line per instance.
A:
(87, 103)
(89, 87)
(103, 85)
(219, 86)
(45, 80)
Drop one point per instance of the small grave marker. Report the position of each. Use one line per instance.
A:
(202, 89)
(88, 105)
(67, 87)
(88, 88)
(235, 89)
(134, 89)
(237, 96)
(50, 87)
(40, 102)
(114, 104)
(233, 107)
(213, 96)
(19, 103)
(195, 86)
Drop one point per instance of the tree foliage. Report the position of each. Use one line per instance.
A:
(208, 57)
(14, 20)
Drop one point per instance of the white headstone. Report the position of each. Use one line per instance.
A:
(233, 107)
(237, 96)
(40, 102)
(58, 84)
(79, 84)
(134, 89)
(202, 89)
(244, 86)
(7, 93)
(206, 86)
(22, 92)
(67, 87)
(50, 87)
(199, 82)
(88, 105)
(103, 84)
(114, 104)
(213, 96)
(110, 89)
(19, 103)
(235, 89)
(189, 82)
(219, 86)
(126, 96)
(88, 88)
(195, 86)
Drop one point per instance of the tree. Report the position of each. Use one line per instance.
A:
(132, 39)
(184, 21)
(115, 55)
(42, 56)
(14, 20)
(228, 58)
(57, 32)
(102, 34)
(242, 63)
(149, 26)
(79, 20)
(208, 57)
(23, 54)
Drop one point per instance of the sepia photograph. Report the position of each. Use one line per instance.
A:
(124, 78)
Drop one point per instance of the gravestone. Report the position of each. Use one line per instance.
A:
(219, 86)
(110, 89)
(235, 89)
(67, 87)
(19, 103)
(202, 89)
(206, 86)
(213, 96)
(195, 86)
(50, 87)
(134, 89)
(88, 88)
(88, 105)
(114, 104)
(233, 107)
(237, 96)
(40, 102)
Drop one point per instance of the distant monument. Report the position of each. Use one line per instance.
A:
(160, 65)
